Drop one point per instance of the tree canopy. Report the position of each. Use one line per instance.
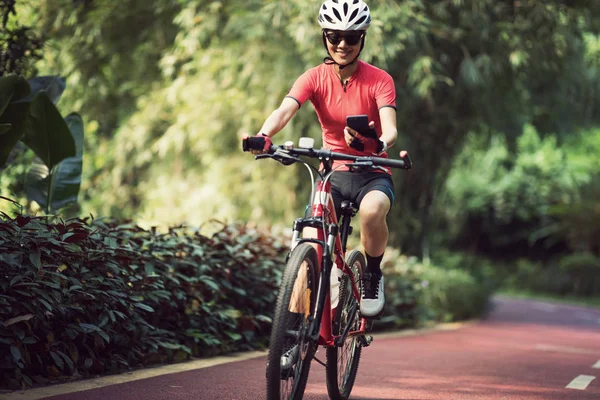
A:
(167, 89)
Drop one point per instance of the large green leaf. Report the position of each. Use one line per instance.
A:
(56, 188)
(12, 88)
(16, 95)
(15, 115)
(47, 133)
(53, 86)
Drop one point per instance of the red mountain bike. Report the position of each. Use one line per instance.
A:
(317, 303)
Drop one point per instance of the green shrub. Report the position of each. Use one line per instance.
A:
(82, 297)
(583, 270)
(537, 277)
(487, 272)
(403, 287)
(453, 295)
(417, 294)
(499, 200)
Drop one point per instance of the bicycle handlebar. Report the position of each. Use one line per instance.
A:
(258, 143)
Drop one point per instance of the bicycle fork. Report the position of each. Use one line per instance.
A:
(323, 299)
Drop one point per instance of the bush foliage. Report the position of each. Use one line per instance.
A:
(419, 293)
(86, 296)
(533, 208)
(499, 200)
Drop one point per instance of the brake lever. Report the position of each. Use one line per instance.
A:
(279, 156)
(365, 165)
(284, 158)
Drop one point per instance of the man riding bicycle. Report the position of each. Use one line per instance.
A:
(342, 86)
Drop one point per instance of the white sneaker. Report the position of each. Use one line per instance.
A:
(373, 298)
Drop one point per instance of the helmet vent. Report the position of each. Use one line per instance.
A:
(324, 7)
(337, 14)
(354, 14)
(345, 8)
(361, 20)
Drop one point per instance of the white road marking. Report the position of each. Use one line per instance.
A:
(597, 365)
(581, 382)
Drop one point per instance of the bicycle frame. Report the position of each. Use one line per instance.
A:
(324, 219)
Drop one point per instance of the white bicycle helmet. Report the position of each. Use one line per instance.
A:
(344, 15)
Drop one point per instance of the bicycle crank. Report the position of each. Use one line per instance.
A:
(365, 341)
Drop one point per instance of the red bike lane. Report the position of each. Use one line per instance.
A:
(522, 350)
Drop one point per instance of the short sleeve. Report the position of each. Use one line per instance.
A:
(304, 87)
(385, 94)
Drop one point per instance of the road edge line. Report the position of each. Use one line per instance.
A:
(125, 377)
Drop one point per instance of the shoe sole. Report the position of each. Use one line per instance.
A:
(374, 317)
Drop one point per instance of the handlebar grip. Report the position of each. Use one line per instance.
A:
(406, 158)
(253, 143)
(404, 162)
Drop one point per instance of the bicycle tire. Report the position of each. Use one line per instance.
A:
(294, 309)
(342, 362)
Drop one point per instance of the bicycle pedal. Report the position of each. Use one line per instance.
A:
(365, 341)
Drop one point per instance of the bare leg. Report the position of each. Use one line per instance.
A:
(373, 226)
(373, 236)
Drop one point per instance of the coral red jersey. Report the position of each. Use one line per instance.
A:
(367, 91)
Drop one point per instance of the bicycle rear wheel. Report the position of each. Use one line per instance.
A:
(342, 362)
(290, 351)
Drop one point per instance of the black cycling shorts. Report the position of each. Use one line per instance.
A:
(354, 186)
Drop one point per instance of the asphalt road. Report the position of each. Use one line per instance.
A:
(522, 350)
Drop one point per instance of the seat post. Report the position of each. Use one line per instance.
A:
(348, 210)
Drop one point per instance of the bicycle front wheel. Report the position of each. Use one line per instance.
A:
(342, 362)
(290, 351)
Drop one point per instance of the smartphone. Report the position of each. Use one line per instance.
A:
(360, 123)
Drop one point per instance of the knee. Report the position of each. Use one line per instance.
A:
(374, 208)
(374, 213)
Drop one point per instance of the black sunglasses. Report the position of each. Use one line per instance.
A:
(351, 39)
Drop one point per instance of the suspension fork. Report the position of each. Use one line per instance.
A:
(323, 309)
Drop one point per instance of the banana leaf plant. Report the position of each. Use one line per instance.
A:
(58, 187)
(28, 113)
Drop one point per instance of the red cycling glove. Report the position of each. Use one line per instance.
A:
(268, 142)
